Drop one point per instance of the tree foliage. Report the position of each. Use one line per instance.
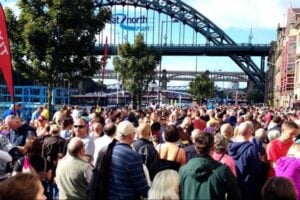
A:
(202, 87)
(53, 40)
(136, 66)
(255, 96)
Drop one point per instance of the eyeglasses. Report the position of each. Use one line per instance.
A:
(79, 126)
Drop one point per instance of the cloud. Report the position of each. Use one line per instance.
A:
(244, 13)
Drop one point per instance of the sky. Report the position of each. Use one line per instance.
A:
(236, 18)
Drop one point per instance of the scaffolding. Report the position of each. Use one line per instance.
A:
(31, 97)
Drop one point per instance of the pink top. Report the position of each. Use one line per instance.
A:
(227, 160)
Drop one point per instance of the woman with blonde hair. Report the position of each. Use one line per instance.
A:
(289, 166)
(165, 186)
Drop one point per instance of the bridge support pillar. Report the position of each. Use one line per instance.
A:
(164, 84)
(250, 85)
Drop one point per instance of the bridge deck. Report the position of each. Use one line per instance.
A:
(199, 49)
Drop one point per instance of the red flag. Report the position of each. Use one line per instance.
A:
(5, 58)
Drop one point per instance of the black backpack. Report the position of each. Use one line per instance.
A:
(97, 188)
(150, 158)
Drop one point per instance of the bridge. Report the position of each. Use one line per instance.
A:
(198, 49)
(171, 27)
(186, 75)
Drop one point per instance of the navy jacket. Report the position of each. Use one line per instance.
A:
(248, 168)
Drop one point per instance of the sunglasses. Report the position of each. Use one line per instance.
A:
(79, 126)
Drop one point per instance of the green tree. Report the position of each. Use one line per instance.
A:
(202, 87)
(53, 40)
(255, 96)
(136, 66)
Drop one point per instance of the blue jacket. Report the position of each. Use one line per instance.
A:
(126, 175)
(248, 168)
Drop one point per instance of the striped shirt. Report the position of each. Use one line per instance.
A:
(126, 177)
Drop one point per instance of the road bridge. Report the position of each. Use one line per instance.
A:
(172, 75)
(173, 27)
(198, 49)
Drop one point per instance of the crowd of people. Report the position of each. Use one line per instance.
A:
(200, 152)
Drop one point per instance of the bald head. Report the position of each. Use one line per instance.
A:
(244, 130)
(226, 130)
(75, 146)
(13, 122)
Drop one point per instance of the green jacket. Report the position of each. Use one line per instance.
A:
(205, 178)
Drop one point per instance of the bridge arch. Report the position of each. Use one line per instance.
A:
(187, 15)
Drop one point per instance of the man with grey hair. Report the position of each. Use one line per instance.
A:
(19, 131)
(126, 176)
(73, 173)
(247, 162)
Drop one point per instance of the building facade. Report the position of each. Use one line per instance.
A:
(283, 65)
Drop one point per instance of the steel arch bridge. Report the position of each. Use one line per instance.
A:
(180, 11)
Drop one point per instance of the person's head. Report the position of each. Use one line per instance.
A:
(125, 132)
(194, 134)
(260, 134)
(165, 185)
(186, 122)
(244, 130)
(251, 127)
(76, 147)
(289, 130)
(40, 109)
(67, 123)
(273, 134)
(220, 144)
(54, 129)
(171, 133)
(278, 188)
(109, 129)
(226, 130)
(276, 119)
(42, 120)
(13, 122)
(154, 117)
(97, 129)
(32, 147)
(22, 186)
(204, 143)
(294, 150)
(80, 128)
(143, 131)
